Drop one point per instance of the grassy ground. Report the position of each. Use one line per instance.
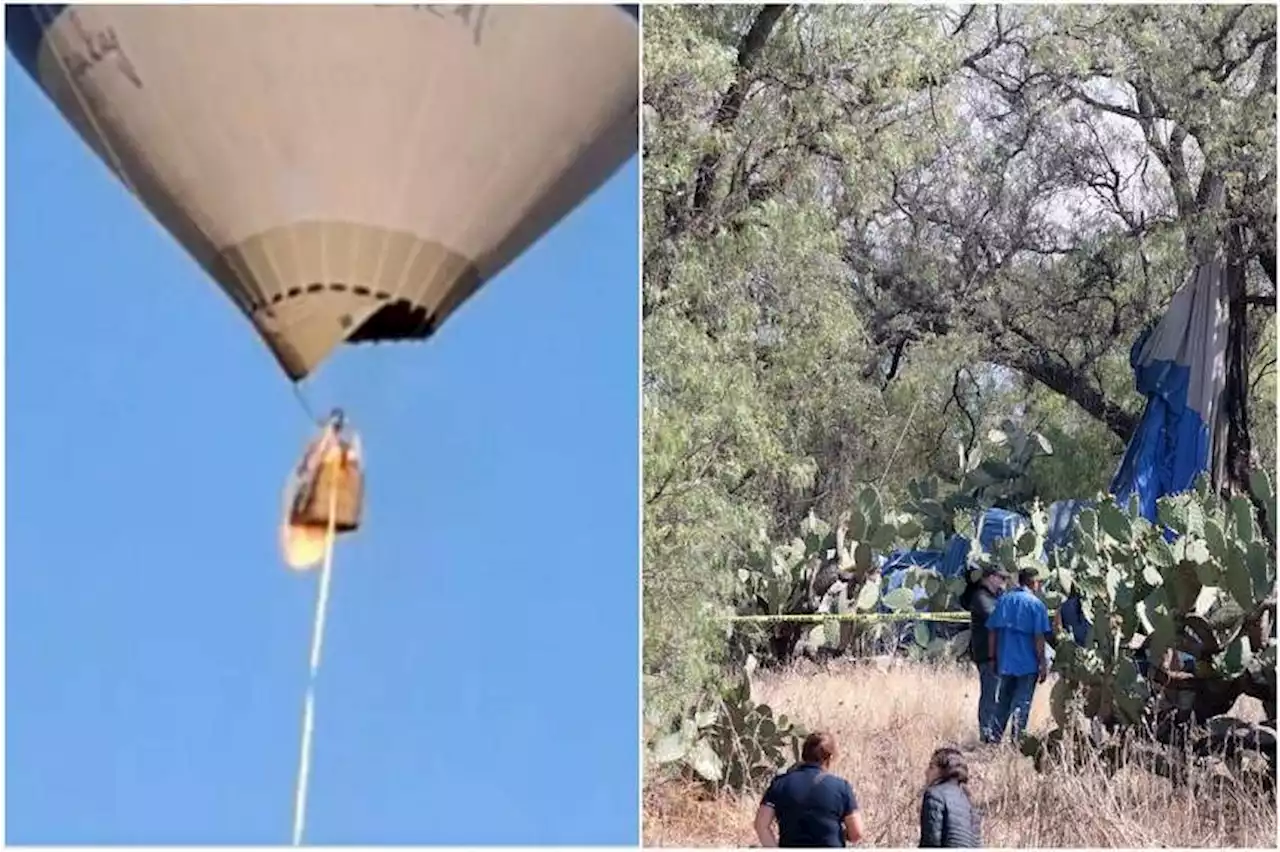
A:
(888, 718)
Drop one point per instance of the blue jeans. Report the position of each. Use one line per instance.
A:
(988, 717)
(1013, 702)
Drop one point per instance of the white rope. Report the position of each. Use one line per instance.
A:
(894, 455)
(308, 709)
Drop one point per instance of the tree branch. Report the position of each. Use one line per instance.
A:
(749, 50)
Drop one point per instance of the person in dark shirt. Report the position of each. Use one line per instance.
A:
(980, 599)
(947, 816)
(813, 808)
(1071, 614)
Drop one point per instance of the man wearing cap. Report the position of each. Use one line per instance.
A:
(980, 599)
(1017, 631)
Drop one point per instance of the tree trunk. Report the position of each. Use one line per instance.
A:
(1239, 451)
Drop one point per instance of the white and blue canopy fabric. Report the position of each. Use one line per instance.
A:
(345, 173)
(1180, 366)
(994, 525)
(951, 562)
(1062, 515)
(998, 524)
(900, 562)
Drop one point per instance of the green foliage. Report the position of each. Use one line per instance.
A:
(924, 647)
(734, 744)
(1209, 594)
(825, 570)
(835, 569)
(861, 251)
(986, 480)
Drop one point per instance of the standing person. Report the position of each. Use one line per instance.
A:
(1016, 640)
(813, 808)
(980, 599)
(1072, 617)
(948, 819)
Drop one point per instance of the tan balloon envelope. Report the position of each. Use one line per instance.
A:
(345, 173)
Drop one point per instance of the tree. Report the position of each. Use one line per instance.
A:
(873, 233)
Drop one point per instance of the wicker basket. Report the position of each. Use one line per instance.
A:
(340, 472)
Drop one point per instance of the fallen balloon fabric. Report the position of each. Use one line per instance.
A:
(1180, 366)
(345, 173)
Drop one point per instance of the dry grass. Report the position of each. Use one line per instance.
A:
(888, 718)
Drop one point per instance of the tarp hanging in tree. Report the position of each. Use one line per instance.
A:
(1180, 366)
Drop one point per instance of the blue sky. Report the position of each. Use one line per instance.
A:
(479, 682)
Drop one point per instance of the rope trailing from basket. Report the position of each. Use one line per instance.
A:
(317, 640)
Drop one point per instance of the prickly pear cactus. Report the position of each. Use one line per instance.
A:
(733, 744)
(986, 480)
(1181, 612)
(827, 568)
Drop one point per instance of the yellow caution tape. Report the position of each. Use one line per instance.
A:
(819, 617)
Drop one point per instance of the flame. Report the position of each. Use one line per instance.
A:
(303, 545)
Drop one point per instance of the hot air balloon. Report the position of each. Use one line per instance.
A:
(345, 173)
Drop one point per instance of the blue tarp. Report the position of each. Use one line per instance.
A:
(899, 562)
(951, 562)
(1179, 365)
(997, 524)
(1062, 515)
(994, 525)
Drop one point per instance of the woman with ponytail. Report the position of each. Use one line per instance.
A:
(948, 819)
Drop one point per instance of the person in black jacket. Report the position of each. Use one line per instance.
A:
(948, 819)
(980, 599)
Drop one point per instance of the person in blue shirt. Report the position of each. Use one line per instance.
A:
(813, 808)
(1017, 630)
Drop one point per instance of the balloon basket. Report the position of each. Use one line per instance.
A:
(340, 473)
